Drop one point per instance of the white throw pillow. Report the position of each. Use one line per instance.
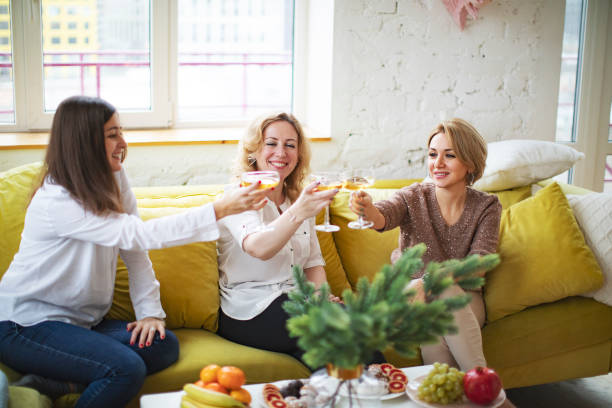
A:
(516, 163)
(594, 215)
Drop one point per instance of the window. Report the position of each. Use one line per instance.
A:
(7, 91)
(228, 76)
(217, 72)
(583, 119)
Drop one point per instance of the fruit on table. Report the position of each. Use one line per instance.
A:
(207, 398)
(209, 373)
(231, 377)
(395, 378)
(443, 385)
(482, 385)
(241, 395)
(215, 386)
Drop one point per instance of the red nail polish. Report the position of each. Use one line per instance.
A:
(131, 343)
(259, 182)
(272, 188)
(141, 345)
(162, 337)
(148, 343)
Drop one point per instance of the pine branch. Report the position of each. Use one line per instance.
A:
(381, 313)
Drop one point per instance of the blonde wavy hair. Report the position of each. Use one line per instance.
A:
(253, 141)
(469, 146)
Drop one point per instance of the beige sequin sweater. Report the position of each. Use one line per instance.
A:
(415, 210)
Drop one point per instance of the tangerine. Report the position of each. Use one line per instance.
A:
(231, 377)
(200, 383)
(209, 373)
(241, 395)
(215, 386)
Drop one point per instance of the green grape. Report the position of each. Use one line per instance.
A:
(443, 385)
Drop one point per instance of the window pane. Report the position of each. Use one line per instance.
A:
(235, 59)
(97, 48)
(7, 90)
(569, 69)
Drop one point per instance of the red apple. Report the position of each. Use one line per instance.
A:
(481, 385)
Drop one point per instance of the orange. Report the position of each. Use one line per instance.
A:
(200, 383)
(241, 395)
(215, 386)
(209, 373)
(231, 377)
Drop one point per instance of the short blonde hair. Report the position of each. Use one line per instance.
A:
(469, 146)
(253, 141)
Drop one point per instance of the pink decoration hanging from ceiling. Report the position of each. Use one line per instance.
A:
(459, 9)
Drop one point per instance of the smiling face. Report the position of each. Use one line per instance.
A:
(114, 142)
(279, 150)
(445, 168)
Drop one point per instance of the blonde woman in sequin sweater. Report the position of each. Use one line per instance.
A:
(453, 220)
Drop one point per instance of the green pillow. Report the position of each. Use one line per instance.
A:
(544, 256)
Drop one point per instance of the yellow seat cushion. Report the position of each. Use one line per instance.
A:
(544, 256)
(336, 276)
(200, 348)
(546, 330)
(16, 188)
(188, 274)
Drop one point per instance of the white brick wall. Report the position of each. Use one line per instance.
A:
(397, 64)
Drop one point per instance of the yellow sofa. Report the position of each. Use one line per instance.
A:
(567, 338)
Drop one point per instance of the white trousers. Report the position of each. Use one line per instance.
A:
(464, 349)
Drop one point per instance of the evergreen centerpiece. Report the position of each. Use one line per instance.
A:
(380, 314)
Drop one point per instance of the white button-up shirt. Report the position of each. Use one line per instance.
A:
(66, 264)
(248, 285)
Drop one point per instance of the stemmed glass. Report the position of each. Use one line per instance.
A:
(355, 180)
(268, 179)
(327, 180)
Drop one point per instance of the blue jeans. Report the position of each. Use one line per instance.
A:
(100, 358)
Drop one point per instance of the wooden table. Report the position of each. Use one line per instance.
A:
(173, 399)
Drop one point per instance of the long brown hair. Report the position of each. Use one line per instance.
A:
(253, 141)
(76, 155)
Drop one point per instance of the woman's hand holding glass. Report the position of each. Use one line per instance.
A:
(262, 180)
(241, 199)
(357, 180)
(328, 180)
(311, 201)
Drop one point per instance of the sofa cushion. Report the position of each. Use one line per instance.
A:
(594, 215)
(16, 188)
(200, 348)
(188, 274)
(515, 163)
(336, 276)
(544, 256)
(546, 330)
(512, 196)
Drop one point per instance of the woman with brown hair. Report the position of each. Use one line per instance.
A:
(255, 266)
(453, 219)
(60, 283)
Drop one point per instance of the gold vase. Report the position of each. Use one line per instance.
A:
(344, 373)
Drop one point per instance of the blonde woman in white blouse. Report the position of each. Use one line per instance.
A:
(256, 266)
(59, 286)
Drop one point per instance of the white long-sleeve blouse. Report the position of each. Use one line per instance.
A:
(66, 264)
(248, 285)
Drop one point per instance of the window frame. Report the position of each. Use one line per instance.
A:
(591, 120)
(27, 48)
